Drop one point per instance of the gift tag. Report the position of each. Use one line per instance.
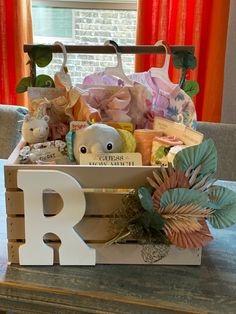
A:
(115, 159)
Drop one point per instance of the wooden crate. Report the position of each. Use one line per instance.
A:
(103, 187)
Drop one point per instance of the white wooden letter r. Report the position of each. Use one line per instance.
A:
(73, 250)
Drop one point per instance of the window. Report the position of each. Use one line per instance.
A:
(49, 24)
(86, 25)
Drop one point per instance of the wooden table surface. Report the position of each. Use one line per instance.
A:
(209, 288)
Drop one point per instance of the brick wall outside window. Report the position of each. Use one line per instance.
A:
(94, 27)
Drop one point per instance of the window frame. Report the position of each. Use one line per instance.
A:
(89, 4)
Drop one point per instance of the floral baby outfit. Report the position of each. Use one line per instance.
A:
(165, 99)
(118, 103)
(100, 78)
(169, 100)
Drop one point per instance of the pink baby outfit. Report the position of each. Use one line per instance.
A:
(169, 100)
(113, 103)
(165, 99)
(100, 78)
(118, 103)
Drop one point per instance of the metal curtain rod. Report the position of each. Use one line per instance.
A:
(109, 49)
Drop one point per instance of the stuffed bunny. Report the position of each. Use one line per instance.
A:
(35, 130)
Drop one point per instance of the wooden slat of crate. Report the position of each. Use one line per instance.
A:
(122, 254)
(89, 228)
(111, 177)
(96, 203)
(98, 178)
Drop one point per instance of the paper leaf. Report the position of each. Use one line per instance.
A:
(195, 239)
(191, 88)
(223, 201)
(204, 154)
(183, 218)
(166, 180)
(222, 196)
(145, 199)
(183, 196)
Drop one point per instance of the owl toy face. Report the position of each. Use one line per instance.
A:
(97, 138)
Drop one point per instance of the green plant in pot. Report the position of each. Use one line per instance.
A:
(40, 55)
(185, 61)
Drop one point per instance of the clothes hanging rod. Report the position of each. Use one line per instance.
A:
(109, 49)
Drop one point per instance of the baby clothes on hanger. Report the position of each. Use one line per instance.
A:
(117, 70)
(112, 103)
(118, 103)
(62, 78)
(140, 101)
(101, 78)
(111, 76)
(167, 99)
(64, 105)
(111, 106)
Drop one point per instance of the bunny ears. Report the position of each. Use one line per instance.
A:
(28, 118)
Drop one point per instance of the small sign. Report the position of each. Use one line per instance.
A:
(115, 159)
(182, 132)
(78, 125)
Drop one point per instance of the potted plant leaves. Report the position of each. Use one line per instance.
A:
(40, 55)
(42, 85)
(185, 61)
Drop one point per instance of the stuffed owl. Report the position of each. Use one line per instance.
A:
(99, 138)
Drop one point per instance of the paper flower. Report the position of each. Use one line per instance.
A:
(179, 201)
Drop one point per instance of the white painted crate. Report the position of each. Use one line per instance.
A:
(98, 184)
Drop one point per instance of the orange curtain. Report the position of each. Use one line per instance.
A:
(202, 23)
(15, 31)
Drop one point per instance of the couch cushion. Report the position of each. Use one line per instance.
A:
(10, 125)
(224, 136)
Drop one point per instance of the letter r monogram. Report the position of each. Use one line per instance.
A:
(73, 250)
